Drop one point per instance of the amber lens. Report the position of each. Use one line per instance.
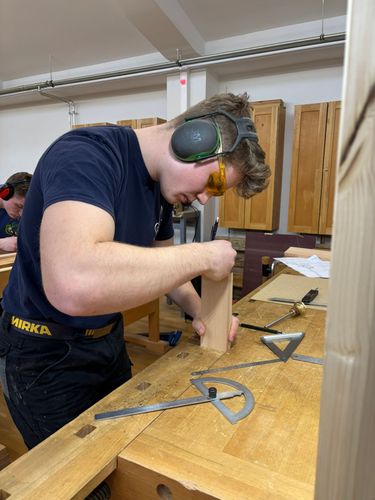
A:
(216, 184)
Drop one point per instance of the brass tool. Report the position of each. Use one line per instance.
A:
(298, 309)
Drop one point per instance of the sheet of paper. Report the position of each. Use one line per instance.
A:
(312, 267)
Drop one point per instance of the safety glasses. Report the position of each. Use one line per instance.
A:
(216, 184)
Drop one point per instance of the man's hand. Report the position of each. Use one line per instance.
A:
(200, 327)
(221, 257)
(8, 244)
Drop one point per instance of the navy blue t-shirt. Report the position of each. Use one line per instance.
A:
(8, 226)
(102, 166)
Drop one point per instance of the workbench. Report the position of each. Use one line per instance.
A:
(193, 452)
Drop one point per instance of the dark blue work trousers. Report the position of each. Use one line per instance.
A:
(49, 382)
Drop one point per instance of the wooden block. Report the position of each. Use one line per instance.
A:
(217, 312)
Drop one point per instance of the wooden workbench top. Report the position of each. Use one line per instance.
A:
(193, 452)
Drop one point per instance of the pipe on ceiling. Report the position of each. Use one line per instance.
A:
(72, 106)
(218, 58)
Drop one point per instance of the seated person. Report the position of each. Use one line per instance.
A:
(12, 199)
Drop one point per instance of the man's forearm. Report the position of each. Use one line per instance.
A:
(111, 276)
(8, 244)
(188, 299)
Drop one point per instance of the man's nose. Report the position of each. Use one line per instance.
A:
(203, 197)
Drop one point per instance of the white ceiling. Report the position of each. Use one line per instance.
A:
(61, 38)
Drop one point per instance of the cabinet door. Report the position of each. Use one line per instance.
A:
(127, 123)
(231, 212)
(262, 210)
(307, 167)
(99, 124)
(329, 168)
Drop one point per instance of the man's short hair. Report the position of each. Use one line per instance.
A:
(21, 182)
(248, 157)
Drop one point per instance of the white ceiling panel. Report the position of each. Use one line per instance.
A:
(226, 18)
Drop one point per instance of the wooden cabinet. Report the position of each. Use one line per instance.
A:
(262, 210)
(99, 124)
(141, 122)
(135, 123)
(313, 173)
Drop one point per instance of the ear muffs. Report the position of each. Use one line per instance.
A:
(195, 140)
(199, 137)
(6, 192)
(7, 189)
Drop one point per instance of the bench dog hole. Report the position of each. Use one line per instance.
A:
(143, 386)
(164, 492)
(86, 429)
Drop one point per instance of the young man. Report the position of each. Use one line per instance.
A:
(96, 239)
(12, 200)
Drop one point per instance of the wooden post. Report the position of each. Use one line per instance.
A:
(217, 312)
(346, 453)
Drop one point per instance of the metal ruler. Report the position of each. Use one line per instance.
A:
(308, 359)
(235, 367)
(210, 395)
(270, 341)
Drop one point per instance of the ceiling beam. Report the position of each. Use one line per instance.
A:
(166, 26)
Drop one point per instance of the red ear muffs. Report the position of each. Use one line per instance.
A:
(7, 189)
(6, 192)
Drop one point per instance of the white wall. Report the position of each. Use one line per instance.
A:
(294, 87)
(25, 132)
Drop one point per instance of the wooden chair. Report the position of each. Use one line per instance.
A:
(152, 342)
